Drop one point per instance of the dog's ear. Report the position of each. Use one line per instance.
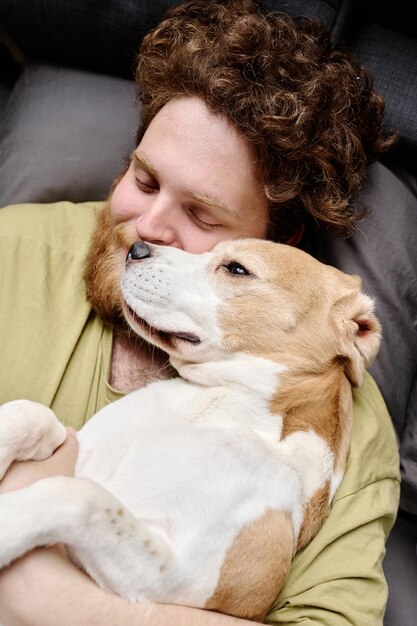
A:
(360, 332)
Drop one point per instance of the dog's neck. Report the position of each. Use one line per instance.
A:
(239, 369)
(135, 363)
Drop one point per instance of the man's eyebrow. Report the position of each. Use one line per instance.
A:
(141, 160)
(200, 197)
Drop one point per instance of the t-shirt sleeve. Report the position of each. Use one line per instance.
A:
(50, 342)
(337, 580)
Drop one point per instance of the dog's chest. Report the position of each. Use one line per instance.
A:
(175, 447)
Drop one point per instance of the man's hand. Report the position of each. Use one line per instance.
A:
(62, 463)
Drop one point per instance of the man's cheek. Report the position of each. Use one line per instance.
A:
(123, 201)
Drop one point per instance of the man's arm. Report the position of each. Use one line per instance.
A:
(45, 589)
(335, 583)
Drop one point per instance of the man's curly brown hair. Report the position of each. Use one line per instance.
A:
(307, 110)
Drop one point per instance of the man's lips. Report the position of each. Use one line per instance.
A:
(163, 335)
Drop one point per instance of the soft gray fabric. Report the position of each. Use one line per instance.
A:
(9, 71)
(392, 58)
(95, 35)
(4, 96)
(325, 11)
(400, 567)
(105, 36)
(384, 253)
(401, 16)
(64, 135)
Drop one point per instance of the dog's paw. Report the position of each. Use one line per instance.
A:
(28, 431)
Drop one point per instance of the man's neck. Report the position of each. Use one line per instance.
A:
(135, 363)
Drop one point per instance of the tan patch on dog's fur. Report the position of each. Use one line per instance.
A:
(314, 513)
(345, 413)
(255, 567)
(315, 403)
(322, 403)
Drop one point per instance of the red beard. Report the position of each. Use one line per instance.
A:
(104, 267)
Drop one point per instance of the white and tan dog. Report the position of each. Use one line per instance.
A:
(199, 490)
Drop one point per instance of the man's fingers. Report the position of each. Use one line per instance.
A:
(64, 458)
(72, 433)
(62, 463)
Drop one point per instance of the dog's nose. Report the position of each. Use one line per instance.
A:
(138, 250)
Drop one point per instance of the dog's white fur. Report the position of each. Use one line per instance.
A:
(199, 490)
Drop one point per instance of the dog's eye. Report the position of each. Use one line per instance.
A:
(237, 269)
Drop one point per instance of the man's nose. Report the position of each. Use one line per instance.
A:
(156, 225)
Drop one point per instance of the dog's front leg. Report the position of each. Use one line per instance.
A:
(28, 431)
(116, 549)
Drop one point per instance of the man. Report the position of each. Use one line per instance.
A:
(251, 126)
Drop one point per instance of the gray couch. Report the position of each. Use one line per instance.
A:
(68, 120)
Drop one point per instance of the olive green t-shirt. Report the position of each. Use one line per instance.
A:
(54, 349)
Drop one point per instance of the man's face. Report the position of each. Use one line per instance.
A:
(191, 183)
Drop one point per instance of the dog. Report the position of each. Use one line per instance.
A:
(200, 489)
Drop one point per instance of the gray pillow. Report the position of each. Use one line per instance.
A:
(392, 58)
(4, 96)
(64, 134)
(383, 251)
(105, 36)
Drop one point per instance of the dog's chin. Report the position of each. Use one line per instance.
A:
(168, 340)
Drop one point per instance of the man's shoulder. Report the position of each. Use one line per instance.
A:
(49, 341)
(373, 455)
(49, 223)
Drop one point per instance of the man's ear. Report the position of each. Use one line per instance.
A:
(360, 333)
(296, 237)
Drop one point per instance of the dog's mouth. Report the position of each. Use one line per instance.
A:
(158, 335)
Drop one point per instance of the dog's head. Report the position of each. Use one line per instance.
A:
(249, 296)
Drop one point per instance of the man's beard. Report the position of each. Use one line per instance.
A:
(104, 267)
